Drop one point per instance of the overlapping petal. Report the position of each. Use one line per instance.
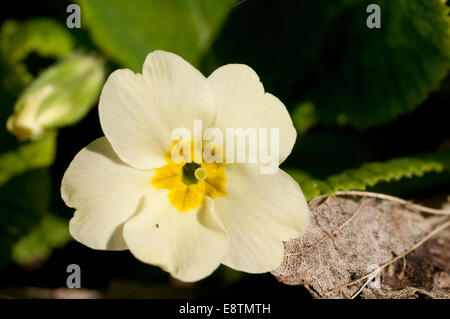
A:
(105, 192)
(139, 112)
(259, 213)
(242, 103)
(190, 245)
(117, 207)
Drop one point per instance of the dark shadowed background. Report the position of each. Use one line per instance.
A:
(356, 95)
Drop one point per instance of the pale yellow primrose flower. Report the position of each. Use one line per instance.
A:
(128, 194)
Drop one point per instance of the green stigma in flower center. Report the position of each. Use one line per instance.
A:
(189, 173)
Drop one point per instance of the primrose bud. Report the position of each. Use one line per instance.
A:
(60, 96)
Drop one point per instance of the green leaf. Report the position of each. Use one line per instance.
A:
(13, 78)
(43, 36)
(40, 153)
(280, 40)
(324, 153)
(370, 174)
(311, 187)
(322, 51)
(378, 74)
(24, 199)
(51, 232)
(60, 96)
(304, 117)
(128, 30)
(17, 39)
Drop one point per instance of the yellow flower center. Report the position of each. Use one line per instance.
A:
(189, 182)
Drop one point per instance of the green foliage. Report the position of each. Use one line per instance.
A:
(397, 66)
(13, 78)
(304, 117)
(72, 87)
(323, 153)
(24, 199)
(352, 74)
(128, 30)
(28, 156)
(370, 174)
(43, 36)
(51, 232)
(78, 80)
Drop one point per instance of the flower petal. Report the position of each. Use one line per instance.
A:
(242, 103)
(139, 112)
(259, 213)
(105, 192)
(188, 245)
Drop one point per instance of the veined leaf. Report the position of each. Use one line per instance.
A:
(375, 75)
(352, 74)
(347, 241)
(311, 187)
(128, 30)
(370, 174)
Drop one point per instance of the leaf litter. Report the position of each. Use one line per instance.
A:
(353, 240)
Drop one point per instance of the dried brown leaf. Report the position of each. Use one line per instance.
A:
(349, 240)
(423, 273)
